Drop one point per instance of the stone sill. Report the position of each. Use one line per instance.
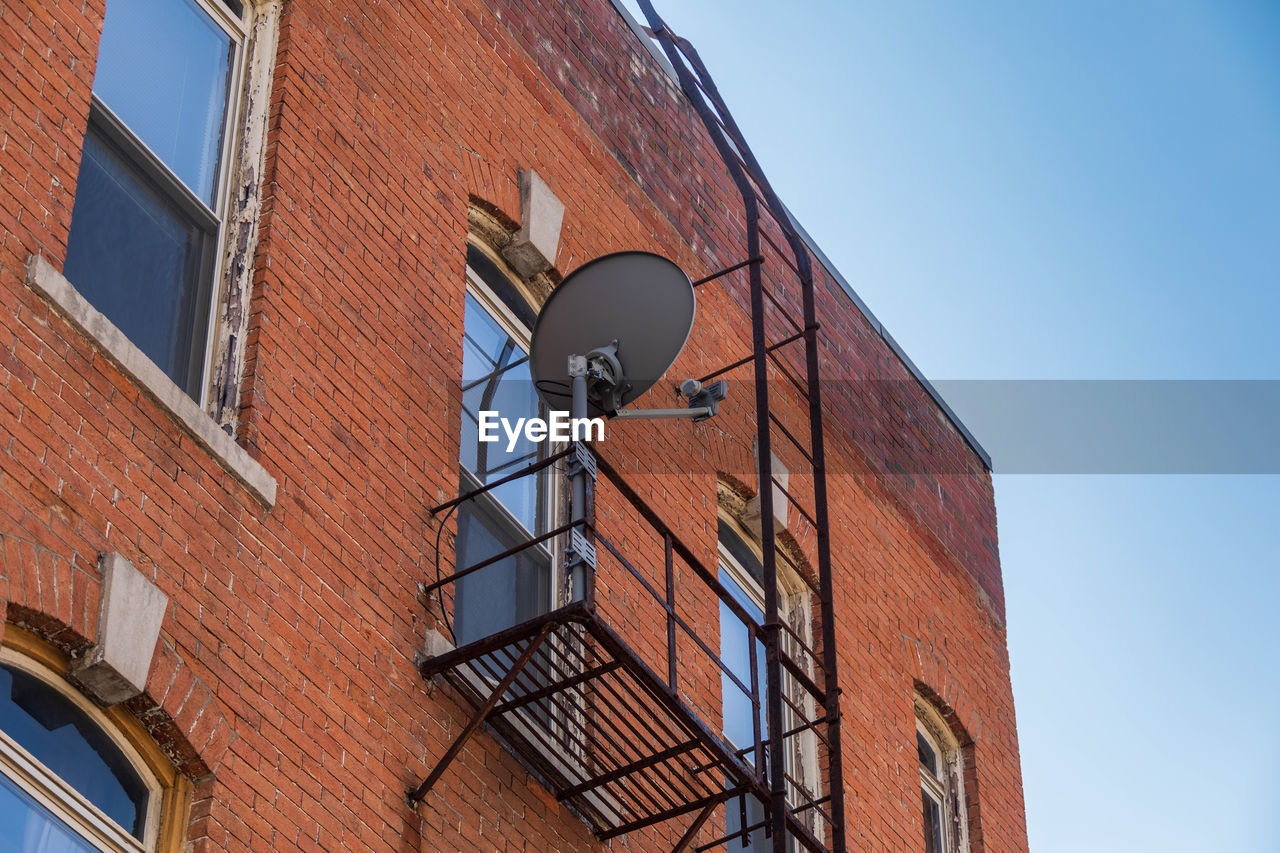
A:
(53, 286)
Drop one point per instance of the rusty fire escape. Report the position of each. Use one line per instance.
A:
(596, 694)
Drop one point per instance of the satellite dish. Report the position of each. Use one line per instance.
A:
(630, 313)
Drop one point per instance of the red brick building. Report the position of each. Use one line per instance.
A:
(257, 257)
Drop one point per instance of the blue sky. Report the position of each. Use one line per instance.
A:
(1076, 190)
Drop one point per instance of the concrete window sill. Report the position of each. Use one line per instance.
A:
(53, 286)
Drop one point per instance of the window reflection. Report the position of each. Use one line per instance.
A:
(138, 258)
(163, 68)
(70, 745)
(25, 825)
(494, 379)
(932, 824)
(735, 651)
(490, 383)
(739, 714)
(928, 757)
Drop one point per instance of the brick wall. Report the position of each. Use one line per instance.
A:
(284, 681)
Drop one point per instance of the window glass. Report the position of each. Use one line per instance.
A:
(505, 593)
(928, 758)
(26, 825)
(932, 824)
(735, 652)
(757, 841)
(163, 69)
(139, 259)
(739, 714)
(517, 588)
(489, 386)
(65, 740)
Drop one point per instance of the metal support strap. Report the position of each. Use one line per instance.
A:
(415, 795)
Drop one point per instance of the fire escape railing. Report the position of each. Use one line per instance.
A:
(615, 698)
(754, 187)
(621, 717)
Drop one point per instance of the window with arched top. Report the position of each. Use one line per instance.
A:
(742, 575)
(70, 780)
(495, 377)
(942, 798)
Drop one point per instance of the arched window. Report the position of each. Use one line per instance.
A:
(742, 575)
(941, 762)
(496, 377)
(69, 781)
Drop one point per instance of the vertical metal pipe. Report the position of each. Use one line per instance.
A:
(578, 477)
(757, 754)
(671, 611)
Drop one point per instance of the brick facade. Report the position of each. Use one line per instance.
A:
(283, 684)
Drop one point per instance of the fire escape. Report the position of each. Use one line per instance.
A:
(614, 697)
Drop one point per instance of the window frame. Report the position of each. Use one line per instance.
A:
(801, 757)
(61, 799)
(946, 787)
(213, 217)
(550, 510)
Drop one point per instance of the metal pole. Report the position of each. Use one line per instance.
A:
(578, 476)
(671, 609)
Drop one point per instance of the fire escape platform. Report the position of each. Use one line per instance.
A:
(607, 735)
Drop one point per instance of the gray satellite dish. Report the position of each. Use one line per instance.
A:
(629, 314)
(606, 334)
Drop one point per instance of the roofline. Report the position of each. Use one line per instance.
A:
(866, 312)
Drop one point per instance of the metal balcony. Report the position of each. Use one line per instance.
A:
(623, 725)
(616, 698)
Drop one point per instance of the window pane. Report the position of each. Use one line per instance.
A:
(505, 593)
(735, 652)
(162, 68)
(30, 826)
(487, 349)
(63, 738)
(518, 588)
(932, 824)
(757, 842)
(138, 259)
(928, 758)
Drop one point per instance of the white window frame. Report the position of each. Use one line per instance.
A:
(511, 324)
(947, 788)
(802, 754)
(61, 799)
(237, 29)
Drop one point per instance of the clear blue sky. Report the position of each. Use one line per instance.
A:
(1072, 190)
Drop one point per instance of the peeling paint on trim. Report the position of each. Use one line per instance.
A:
(242, 227)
